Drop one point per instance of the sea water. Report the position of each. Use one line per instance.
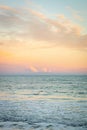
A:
(43, 102)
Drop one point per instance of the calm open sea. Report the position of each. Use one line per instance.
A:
(43, 102)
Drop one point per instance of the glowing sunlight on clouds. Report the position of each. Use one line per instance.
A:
(38, 43)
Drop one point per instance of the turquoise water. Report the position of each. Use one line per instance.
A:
(43, 102)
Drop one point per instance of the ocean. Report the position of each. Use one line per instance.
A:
(43, 102)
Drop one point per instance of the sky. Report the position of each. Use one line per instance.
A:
(43, 36)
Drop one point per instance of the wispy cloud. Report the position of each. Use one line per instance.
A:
(23, 25)
(76, 14)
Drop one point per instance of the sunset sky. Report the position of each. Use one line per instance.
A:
(42, 36)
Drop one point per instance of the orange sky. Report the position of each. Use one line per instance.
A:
(31, 41)
(55, 59)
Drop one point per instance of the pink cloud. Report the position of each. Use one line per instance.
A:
(38, 27)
